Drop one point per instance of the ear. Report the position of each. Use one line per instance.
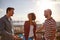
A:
(8, 11)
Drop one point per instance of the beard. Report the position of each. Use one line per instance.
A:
(46, 16)
(12, 14)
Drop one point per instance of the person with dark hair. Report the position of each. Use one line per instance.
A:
(30, 27)
(9, 8)
(6, 29)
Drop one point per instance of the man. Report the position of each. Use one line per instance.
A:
(49, 25)
(6, 30)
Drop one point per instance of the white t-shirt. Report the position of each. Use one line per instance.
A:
(31, 34)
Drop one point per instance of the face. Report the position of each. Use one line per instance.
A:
(11, 12)
(46, 13)
(30, 17)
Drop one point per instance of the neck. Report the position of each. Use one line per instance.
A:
(7, 16)
(49, 17)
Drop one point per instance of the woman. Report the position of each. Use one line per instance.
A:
(30, 27)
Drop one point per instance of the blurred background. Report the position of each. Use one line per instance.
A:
(23, 7)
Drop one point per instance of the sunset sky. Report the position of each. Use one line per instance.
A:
(23, 7)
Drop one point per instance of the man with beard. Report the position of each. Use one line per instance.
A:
(49, 25)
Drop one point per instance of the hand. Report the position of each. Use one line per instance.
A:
(34, 38)
(15, 36)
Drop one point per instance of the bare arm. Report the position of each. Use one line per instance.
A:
(41, 28)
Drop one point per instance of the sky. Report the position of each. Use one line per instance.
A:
(23, 7)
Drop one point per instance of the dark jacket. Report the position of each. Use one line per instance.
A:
(27, 29)
(5, 29)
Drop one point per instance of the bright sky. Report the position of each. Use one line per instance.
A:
(23, 7)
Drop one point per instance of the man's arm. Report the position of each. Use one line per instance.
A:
(40, 28)
(3, 31)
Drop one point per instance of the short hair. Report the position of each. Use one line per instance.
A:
(9, 8)
(33, 16)
(49, 11)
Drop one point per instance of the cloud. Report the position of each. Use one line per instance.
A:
(1, 10)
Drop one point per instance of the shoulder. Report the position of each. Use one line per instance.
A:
(52, 22)
(3, 18)
(26, 21)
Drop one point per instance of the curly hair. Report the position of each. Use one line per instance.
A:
(33, 16)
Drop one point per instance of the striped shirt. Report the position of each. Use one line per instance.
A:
(50, 27)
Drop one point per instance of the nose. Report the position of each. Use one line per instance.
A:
(13, 12)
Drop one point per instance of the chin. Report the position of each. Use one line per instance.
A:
(11, 15)
(45, 17)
